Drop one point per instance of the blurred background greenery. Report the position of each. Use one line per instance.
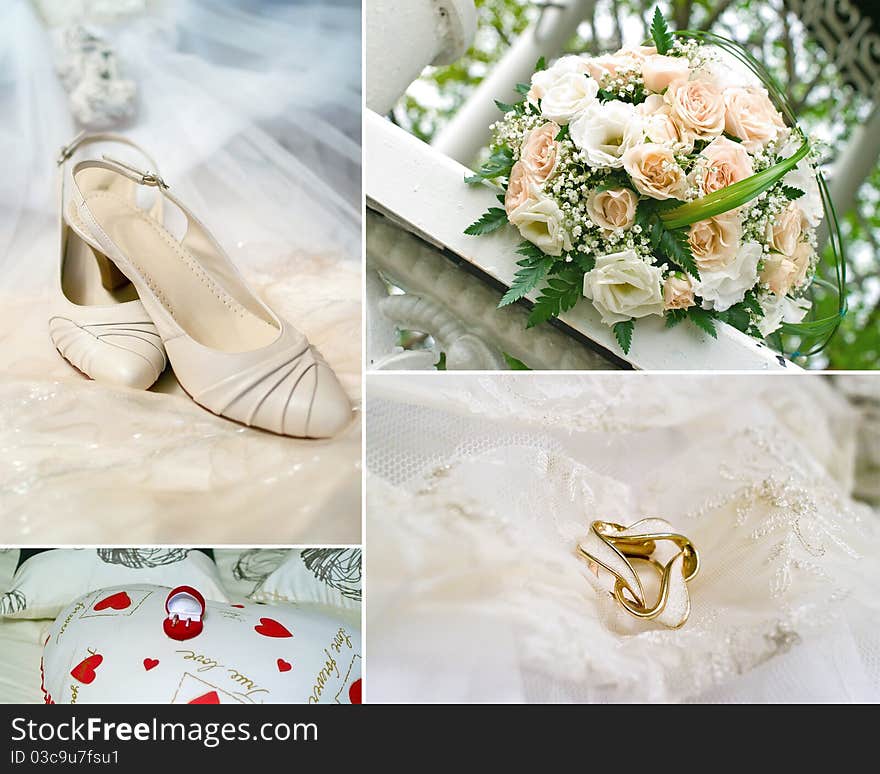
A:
(826, 105)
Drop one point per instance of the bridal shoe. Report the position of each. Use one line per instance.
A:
(230, 352)
(100, 325)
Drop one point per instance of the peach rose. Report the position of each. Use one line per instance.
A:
(698, 106)
(659, 71)
(785, 230)
(609, 65)
(750, 116)
(519, 188)
(678, 292)
(539, 152)
(715, 241)
(654, 171)
(660, 127)
(781, 272)
(803, 258)
(723, 162)
(612, 209)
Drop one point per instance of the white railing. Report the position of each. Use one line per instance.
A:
(424, 191)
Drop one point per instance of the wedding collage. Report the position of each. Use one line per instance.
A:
(439, 352)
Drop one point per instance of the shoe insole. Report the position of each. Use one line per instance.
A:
(81, 278)
(181, 283)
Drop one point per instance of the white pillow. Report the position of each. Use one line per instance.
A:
(322, 576)
(47, 582)
(245, 654)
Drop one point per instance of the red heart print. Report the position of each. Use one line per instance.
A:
(84, 671)
(150, 663)
(118, 601)
(284, 666)
(354, 692)
(269, 627)
(206, 698)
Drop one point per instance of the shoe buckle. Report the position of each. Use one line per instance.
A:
(144, 178)
(150, 178)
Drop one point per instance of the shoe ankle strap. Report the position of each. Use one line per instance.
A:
(88, 138)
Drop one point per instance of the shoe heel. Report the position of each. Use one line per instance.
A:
(111, 277)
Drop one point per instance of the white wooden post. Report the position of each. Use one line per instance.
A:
(468, 131)
(424, 190)
(404, 36)
(855, 163)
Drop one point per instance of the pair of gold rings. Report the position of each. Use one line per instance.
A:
(614, 548)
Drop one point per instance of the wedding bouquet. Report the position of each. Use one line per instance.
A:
(659, 181)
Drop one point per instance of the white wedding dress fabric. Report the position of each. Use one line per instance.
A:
(252, 110)
(479, 489)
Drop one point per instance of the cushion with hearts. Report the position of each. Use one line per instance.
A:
(109, 646)
(323, 576)
(49, 581)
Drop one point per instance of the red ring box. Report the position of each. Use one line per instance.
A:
(186, 609)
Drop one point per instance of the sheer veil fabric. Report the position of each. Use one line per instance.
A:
(479, 488)
(253, 111)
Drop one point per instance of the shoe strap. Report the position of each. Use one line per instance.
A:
(88, 138)
(69, 190)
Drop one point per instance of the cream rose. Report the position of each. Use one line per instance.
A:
(750, 116)
(782, 273)
(519, 188)
(539, 152)
(623, 286)
(568, 97)
(612, 209)
(654, 171)
(659, 126)
(605, 131)
(698, 106)
(715, 241)
(678, 292)
(721, 288)
(722, 163)
(539, 220)
(784, 232)
(659, 71)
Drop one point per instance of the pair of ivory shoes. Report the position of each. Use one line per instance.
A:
(135, 296)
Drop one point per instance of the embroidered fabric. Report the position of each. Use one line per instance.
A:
(478, 490)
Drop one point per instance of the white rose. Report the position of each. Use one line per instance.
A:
(722, 287)
(623, 286)
(543, 80)
(803, 176)
(605, 131)
(568, 96)
(539, 220)
(780, 309)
